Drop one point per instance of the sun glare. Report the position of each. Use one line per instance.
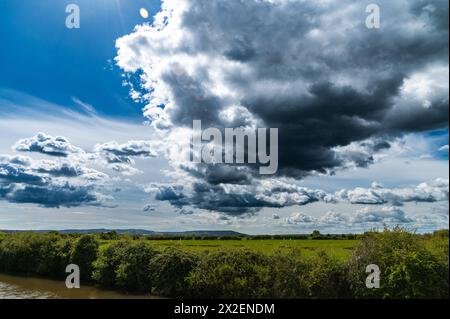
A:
(144, 13)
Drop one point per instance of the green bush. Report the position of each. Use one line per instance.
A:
(110, 235)
(326, 278)
(231, 274)
(84, 253)
(35, 254)
(109, 259)
(442, 233)
(125, 264)
(133, 273)
(318, 276)
(408, 268)
(18, 254)
(289, 271)
(54, 256)
(169, 271)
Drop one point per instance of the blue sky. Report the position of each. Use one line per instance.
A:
(42, 58)
(368, 133)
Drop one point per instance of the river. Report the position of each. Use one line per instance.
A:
(16, 287)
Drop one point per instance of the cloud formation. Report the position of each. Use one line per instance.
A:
(119, 157)
(49, 183)
(333, 218)
(53, 195)
(115, 153)
(299, 218)
(42, 143)
(434, 191)
(67, 180)
(237, 199)
(389, 214)
(338, 92)
(364, 218)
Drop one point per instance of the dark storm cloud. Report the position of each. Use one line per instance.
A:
(337, 91)
(217, 174)
(311, 126)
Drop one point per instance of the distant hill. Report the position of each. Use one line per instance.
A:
(137, 232)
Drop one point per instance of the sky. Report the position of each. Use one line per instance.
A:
(93, 120)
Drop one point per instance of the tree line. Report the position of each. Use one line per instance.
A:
(316, 235)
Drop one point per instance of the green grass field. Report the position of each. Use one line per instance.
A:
(337, 248)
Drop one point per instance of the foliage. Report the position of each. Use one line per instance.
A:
(411, 265)
(84, 254)
(169, 270)
(110, 235)
(231, 274)
(124, 264)
(35, 254)
(408, 268)
(319, 276)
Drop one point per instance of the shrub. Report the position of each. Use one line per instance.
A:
(54, 256)
(109, 259)
(169, 271)
(125, 264)
(133, 272)
(296, 276)
(326, 278)
(34, 254)
(84, 253)
(442, 233)
(231, 274)
(110, 235)
(289, 272)
(408, 268)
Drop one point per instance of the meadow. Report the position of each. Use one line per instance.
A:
(340, 249)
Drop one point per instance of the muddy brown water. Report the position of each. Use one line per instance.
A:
(18, 287)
